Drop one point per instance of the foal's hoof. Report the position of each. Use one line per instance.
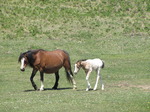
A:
(102, 87)
(87, 89)
(95, 89)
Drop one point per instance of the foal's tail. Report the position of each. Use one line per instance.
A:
(103, 65)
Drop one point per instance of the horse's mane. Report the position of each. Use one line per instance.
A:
(29, 54)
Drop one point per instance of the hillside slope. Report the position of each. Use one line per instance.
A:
(76, 18)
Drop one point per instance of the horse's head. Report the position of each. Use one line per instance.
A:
(27, 58)
(23, 60)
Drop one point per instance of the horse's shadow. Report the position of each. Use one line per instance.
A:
(47, 89)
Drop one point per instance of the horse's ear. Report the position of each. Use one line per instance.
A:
(20, 53)
(25, 55)
(19, 57)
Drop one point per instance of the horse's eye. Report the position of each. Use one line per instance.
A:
(25, 62)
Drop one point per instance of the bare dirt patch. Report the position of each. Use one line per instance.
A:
(127, 86)
(145, 87)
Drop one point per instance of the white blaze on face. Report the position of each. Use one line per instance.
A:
(76, 69)
(22, 63)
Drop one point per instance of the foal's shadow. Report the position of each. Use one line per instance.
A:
(84, 90)
(48, 89)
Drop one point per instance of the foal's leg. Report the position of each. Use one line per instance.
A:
(87, 79)
(42, 81)
(97, 79)
(31, 78)
(57, 79)
(101, 82)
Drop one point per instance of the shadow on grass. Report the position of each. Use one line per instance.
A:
(47, 89)
(85, 90)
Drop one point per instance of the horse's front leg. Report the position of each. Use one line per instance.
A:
(87, 80)
(31, 79)
(42, 81)
(56, 81)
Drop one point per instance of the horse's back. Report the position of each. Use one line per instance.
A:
(50, 61)
(52, 54)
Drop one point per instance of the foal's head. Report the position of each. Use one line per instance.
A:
(78, 65)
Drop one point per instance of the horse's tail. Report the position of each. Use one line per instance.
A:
(69, 76)
(68, 70)
(103, 65)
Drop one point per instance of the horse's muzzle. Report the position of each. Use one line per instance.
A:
(22, 70)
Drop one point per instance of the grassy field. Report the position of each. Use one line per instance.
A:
(116, 31)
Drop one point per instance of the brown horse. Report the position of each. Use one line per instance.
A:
(47, 62)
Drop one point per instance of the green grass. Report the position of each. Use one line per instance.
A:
(113, 30)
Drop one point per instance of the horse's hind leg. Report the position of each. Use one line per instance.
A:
(56, 81)
(73, 81)
(69, 74)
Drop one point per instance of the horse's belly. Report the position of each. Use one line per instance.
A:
(51, 70)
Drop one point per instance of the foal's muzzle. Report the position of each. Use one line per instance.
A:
(22, 70)
(75, 73)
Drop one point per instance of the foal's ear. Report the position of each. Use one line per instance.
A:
(83, 64)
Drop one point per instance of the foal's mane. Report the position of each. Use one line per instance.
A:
(29, 54)
(81, 60)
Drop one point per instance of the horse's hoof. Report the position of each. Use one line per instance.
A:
(74, 88)
(41, 89)
(36, 89)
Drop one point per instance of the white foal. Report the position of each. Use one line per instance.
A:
(88, 66)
